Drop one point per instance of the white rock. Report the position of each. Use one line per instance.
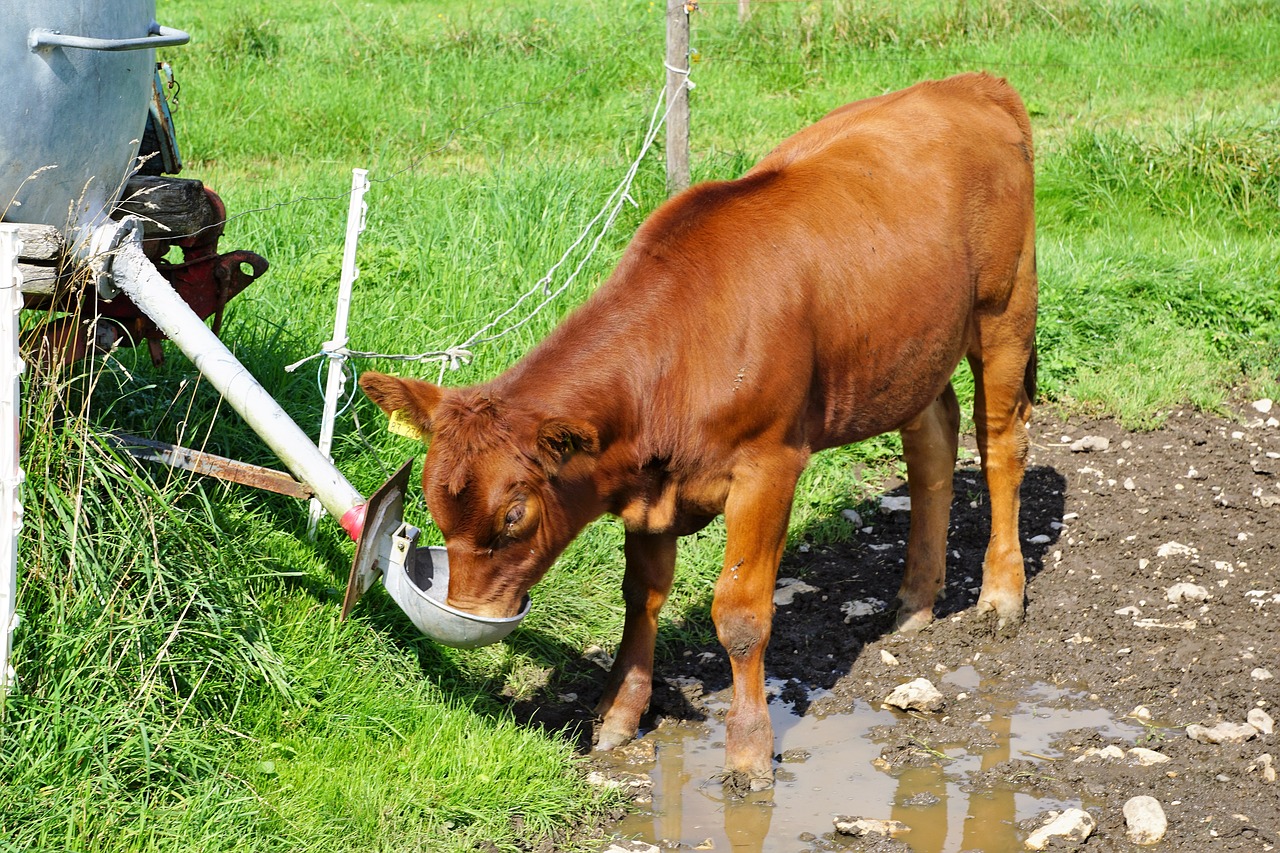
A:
(918, 695)
(1144, 820)
(1129, 484)
(1112, 751)
(1222, 733)
(1261, 721)
(1175, 549)
(862, 827)
(888, 658)
(1090, 443)
(1147, 757)
(788, 589)
(1262, 406)
(1188, 593)
(889, 503)
(632, 847)
(1140, 712)
(1263, 762)
(852, 609)
(852, 516)
(1261, 674)
(1072, 825)
(1041, 539)
(599, 657)
(1129, 611)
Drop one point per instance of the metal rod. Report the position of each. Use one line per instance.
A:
(337, 372)
(10, 473)
(134, 274)
(677, 96)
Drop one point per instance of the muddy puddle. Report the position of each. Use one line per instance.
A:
(832, 765)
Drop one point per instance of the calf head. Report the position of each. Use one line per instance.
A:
(508, 487)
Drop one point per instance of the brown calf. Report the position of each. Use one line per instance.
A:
(824, 297)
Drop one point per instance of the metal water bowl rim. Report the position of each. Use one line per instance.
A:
(422, 597)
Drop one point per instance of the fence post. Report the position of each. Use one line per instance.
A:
(677, 64)
(10, 473)
(744, 11)
(356, 209)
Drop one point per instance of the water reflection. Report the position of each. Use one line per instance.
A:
(827, 770)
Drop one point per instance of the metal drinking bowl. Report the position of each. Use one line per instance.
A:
(421, 592)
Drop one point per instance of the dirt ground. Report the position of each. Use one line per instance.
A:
(1097, 527)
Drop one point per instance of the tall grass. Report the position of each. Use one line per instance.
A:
(183, 679)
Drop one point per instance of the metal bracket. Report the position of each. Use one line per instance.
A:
(383, 538)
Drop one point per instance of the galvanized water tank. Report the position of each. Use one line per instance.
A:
(75, 82)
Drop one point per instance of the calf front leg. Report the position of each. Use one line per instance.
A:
(651, 560)
(756, 515)
(929, 443)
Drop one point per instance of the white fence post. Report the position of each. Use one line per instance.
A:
(10, 471)
(334, 348)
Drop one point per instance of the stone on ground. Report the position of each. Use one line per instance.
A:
(1144, 820)
(1222, 733)
(1073, 825)
(918, 695)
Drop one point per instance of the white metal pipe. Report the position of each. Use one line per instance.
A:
(142, 283)
(337, 373)
(10, 471)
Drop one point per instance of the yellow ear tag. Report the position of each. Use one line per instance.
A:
(401, 425)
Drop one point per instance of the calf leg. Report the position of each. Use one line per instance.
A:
(929, 444)
(756, 515)
(651, 560)
(1002, 407)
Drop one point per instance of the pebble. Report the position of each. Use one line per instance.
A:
(862, 827)
(852, 516)
(632, 847)
(1074, 825)
(1222, 733)
(852, 609)
(1261, 674)
(1129, 484)
(598, 656)
(1261, 721)
(1144, 820)
(888, 658)
(918, 695)
(1175, 549)
(1262, 406)
(1263, 762)
(890, 503)
(1140, 712)
(788, 589)
(1042, 539)
(1147, 757)
(1090, 443)
(1188, 593)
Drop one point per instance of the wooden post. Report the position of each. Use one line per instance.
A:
(677, 96)
(744, 11)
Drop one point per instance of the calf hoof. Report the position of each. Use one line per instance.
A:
(909, 621)
(739, 783)
(611, 738)
(1005, 614)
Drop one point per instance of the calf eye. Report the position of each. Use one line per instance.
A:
(514, 515)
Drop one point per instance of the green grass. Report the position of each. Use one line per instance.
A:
(183, 680)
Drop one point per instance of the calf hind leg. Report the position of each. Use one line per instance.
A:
(651, 560)
(929, 443)
(1002, 407)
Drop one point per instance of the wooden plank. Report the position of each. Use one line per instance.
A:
(38, 280)
(169, 208)
(40, 242)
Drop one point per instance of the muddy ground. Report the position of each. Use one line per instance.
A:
(1096, 527)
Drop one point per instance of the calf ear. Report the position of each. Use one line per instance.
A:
(414, 400)
(561, 438)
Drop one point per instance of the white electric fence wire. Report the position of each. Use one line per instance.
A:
(336, 346)
(454, 356)
(11, 475)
